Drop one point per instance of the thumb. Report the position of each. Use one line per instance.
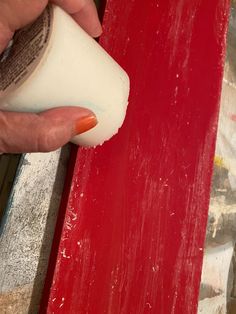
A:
(44, 132)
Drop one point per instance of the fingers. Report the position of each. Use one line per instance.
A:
(88, 19)
(71, 6)
(85, 14)
(44, 132)
(16, 14)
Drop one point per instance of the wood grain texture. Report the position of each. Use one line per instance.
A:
(135, 223)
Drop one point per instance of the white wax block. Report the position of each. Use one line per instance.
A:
(75, 71)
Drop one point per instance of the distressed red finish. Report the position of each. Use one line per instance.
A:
(134, 229)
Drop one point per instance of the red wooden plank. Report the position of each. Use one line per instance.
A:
(135, 222)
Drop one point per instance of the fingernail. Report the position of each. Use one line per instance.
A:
(85, 124)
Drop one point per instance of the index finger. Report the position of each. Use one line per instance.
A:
(85, 14)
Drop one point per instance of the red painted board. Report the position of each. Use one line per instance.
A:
(134, 229)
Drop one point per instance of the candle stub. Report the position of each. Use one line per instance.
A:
(54, 63)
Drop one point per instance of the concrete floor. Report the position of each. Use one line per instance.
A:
(28, 230)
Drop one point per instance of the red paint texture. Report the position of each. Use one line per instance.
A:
(136, 218)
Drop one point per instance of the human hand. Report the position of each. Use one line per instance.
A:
(49, 130)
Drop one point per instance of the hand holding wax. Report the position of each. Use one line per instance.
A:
(68, 68)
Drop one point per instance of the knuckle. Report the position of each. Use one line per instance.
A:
(40, 5)
(83, 4)
(80, 5)
(46, 141)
